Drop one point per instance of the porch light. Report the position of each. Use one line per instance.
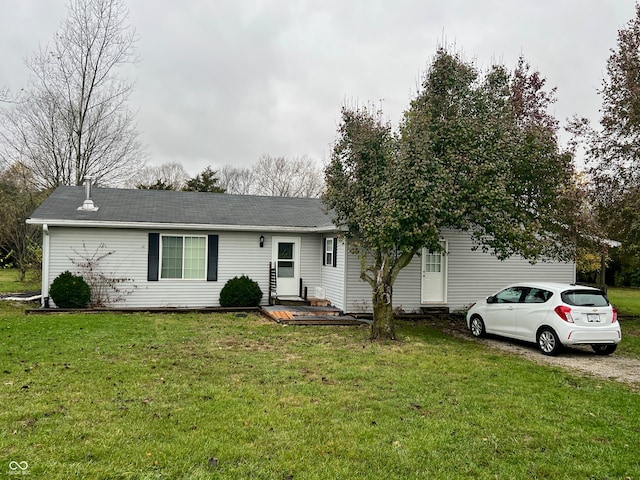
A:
(261, 241)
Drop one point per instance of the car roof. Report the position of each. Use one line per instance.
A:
(555, 286)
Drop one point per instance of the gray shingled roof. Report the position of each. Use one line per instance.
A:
(191, 208)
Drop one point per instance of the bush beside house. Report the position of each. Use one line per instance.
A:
(70, 291)
(240, 292)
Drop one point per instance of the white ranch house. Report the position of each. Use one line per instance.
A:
(180, 248)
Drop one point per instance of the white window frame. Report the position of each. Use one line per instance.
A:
(183, 237)
(328, 251)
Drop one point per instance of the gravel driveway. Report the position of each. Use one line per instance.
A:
(579, 358)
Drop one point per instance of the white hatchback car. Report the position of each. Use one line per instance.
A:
(549, 314)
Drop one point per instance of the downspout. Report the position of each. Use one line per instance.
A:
(345, 273)
(44, 302)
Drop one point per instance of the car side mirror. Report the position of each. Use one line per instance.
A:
(491, 299)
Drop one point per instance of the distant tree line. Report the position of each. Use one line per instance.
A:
(270, 176)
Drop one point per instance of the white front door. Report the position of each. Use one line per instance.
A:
(286, 258)
(434, 276)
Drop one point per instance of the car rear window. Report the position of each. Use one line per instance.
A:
(585, 298)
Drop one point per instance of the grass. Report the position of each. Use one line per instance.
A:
(626, 300)
(10, 281)
(145, 396)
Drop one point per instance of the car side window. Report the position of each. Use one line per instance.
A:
(537, 295)
(509, 295)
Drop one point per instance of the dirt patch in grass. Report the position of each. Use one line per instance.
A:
(575, 359)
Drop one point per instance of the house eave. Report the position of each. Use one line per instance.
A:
(180, 226)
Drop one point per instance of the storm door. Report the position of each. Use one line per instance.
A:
(286, 258)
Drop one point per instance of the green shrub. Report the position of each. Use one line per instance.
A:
(70, 291)
(240, 292)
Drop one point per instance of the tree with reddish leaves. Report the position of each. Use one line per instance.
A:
(612, 150)
(476, 152)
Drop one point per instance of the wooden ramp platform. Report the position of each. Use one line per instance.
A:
(308, 315)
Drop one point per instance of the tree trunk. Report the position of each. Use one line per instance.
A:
(383, 327)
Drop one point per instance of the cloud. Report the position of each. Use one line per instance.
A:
(224, 82)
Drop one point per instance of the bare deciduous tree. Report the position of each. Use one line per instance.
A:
(236, 180)
(281, 177)
(171, 174)
(73, 119)
(274, 176)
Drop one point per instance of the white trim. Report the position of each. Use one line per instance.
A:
(328, 250)
(179, 226)
(345, 272)
(45, 263)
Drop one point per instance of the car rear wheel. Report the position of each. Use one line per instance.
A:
(477, 326)
(604, 349)
(548, 342)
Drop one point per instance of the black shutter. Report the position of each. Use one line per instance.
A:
(153, 259)
(324, 251)
(335, 251)
(212, 258)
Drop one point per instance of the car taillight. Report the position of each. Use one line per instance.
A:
(615, 314)
(564, 313)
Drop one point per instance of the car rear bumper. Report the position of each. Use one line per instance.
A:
(590, 335)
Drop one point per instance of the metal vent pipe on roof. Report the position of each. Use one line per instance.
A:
(88, 203)
(87, 188)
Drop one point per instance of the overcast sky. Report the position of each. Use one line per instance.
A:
(225, 81)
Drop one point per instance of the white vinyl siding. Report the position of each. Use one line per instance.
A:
(333, 278)
(310, 262)
(128, 260)
(471, 276)
(474, 274)
(239, 253)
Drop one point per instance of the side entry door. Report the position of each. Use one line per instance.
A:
(434, 276)
(286, 258)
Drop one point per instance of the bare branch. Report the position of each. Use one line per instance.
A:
(171, 174)
(73, 119)
(236, 180)
(281, 177)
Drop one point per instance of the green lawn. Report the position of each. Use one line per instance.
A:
(145, 396)
(10, 281)
(626, 300)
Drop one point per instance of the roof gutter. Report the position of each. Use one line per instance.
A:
(178, 226)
